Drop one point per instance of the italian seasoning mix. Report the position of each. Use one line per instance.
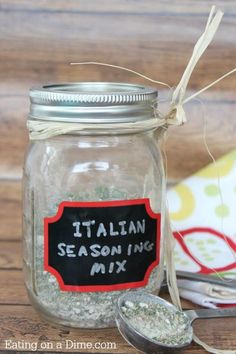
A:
(157, 322)
(93, 201)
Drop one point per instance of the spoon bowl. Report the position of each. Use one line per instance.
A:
(150, 346)
(136, 338)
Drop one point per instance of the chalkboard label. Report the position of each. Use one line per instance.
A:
(102, 246)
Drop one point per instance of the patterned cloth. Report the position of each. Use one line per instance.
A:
(203, 217)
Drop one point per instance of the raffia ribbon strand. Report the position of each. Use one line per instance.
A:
(40, 130)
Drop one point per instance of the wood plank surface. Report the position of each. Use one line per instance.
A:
(38, 40)
(10, 255)
(20, 322)
(10, 211)
(14, 293)
(182, 146)
(157, 37)
(120, 6)
(40, 48)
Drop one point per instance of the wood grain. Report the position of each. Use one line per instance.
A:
(38, 40)
(14, 291)
(23, 323)
(10, 206)
(121, 6)
(19, 322)
(41, 48)
(14, 139)
(10, 255)
(183, 145)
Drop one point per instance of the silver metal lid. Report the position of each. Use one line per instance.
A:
(93, 102)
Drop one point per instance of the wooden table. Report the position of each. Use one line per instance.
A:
(38, 39)
(20, 322)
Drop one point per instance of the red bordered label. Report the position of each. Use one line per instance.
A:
(102, 246)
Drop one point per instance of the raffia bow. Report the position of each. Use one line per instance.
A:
(40, 130)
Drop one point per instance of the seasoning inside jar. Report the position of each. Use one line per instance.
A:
(93, 200)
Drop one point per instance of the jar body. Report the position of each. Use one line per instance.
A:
(84, 169)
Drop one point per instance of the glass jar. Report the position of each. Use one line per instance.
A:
(93, 200)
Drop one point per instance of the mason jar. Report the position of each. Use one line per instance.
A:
(93, 200)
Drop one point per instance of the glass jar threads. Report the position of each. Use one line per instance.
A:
(93, 200)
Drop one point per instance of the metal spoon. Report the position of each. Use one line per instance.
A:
(231, 283)
(149, 346)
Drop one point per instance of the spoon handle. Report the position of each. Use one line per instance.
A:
(210, 313)
(231, 283)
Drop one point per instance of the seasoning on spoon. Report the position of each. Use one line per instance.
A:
(157, 322)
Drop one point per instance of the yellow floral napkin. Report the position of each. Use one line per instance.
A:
(203, 217)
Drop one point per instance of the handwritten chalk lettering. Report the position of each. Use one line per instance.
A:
(122, 228)
(129, 249)
(116, 267)
(94, 250)
(140, 247)
(82, 251)
(86, 224)
(97, 250)
(122, 224)
(121, 266)
(66, 250)
(96, 246)
(98, 268)
(101, 230)
(143, 246)
(104, 251)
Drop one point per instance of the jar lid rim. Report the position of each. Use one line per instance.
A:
(93, 102)
(92, 93)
